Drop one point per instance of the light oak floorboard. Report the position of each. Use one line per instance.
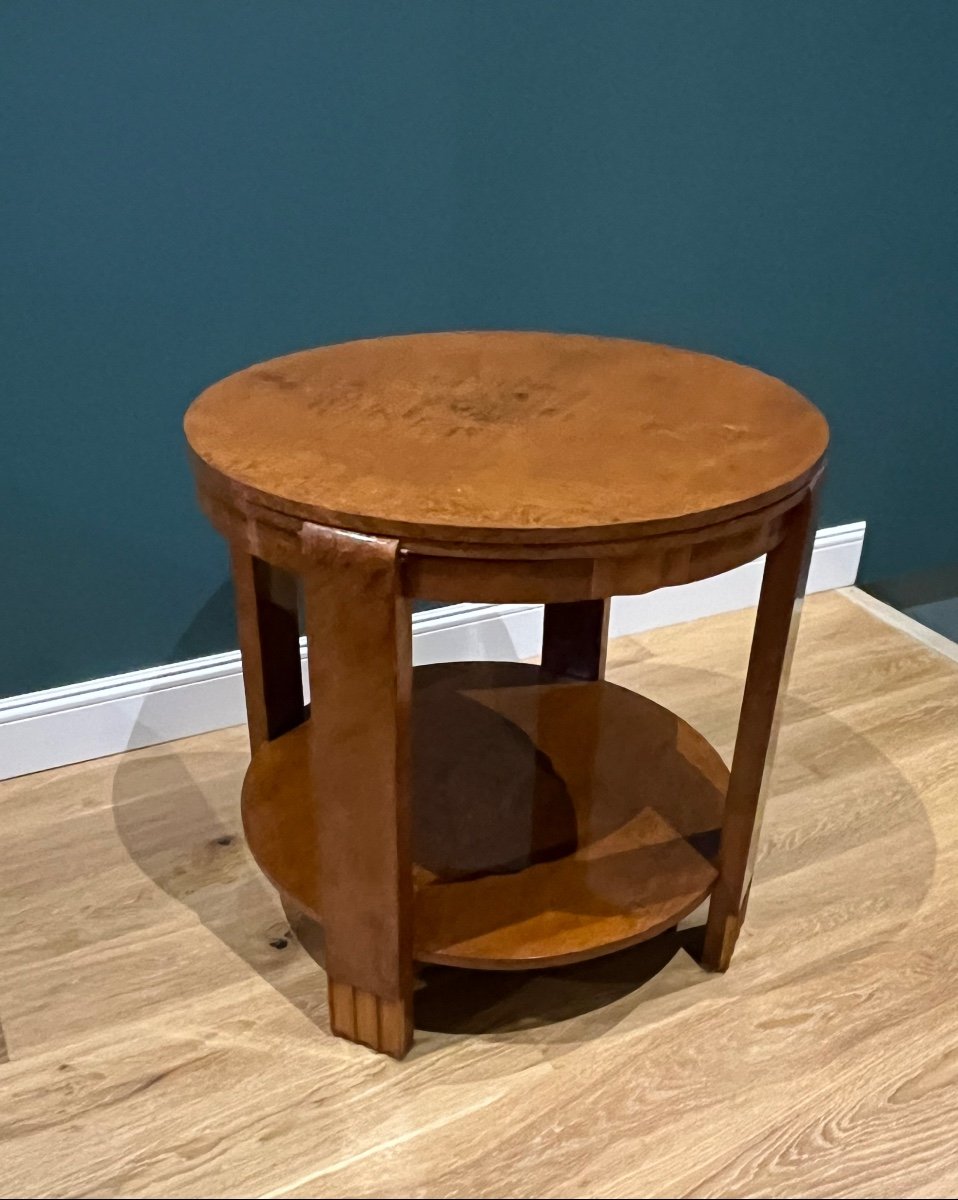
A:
(167, 1036)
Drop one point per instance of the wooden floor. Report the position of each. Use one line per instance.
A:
(165, 1036)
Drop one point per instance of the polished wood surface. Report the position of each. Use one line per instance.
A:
(773, 645)
(167, 1037)
(267, 619)
(574, 638)
(505, 437)
(552, 820)
(506, 467)
(356, 791)
(569, 574)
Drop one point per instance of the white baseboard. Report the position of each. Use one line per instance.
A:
(70, 724)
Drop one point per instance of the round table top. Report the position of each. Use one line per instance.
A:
(497, 437)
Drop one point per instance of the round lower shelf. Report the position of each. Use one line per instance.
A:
(552, 820)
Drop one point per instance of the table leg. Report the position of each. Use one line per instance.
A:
(773, 643)
(360, 670)
(574, 636)
(268, 622)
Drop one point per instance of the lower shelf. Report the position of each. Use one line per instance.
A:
(552, 820)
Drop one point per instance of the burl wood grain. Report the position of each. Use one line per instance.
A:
(530, 437)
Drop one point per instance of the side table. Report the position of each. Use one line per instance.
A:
(496, 815)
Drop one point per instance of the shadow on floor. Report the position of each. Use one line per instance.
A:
(176, 809)
(450, 1000)
(454, 1000)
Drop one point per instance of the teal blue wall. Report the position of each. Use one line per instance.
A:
(192, 185)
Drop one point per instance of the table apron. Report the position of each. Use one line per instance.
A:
(543, 581)
(522, 574)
